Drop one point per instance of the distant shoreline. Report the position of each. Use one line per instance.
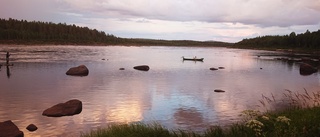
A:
(286, 50)
(134, 42)
(227, 45)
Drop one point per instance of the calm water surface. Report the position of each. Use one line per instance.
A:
(176, 94)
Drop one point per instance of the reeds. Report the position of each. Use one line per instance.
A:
(130, 130)
(290, 100)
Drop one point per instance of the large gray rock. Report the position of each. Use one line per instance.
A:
(69, 108)
(142, 67)
(81, 70)
(9, 129)
(306, 69)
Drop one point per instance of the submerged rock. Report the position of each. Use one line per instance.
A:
(121, 68)
(142, 67)
(32, 127)
(81, 70)
(306, 69)
(221, 68)
(71, 107)
(9, 129)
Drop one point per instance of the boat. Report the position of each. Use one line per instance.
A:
(193, 59)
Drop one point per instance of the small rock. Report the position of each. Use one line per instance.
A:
(32, 127)
(81, 70)
(213, 69)
(103, 59)
(219, 90)
(260, 68)
(306, 69)
(220, 67)
(71, 107)
(142, 67)
(121, 68)
(9, 129)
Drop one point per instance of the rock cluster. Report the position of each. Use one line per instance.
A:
(216, 68)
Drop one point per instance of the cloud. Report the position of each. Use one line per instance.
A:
(259, 12)
(228, 20)
(27, 9)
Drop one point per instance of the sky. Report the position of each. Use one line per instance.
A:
(202, 20)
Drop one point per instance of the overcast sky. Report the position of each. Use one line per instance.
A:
(219, 20)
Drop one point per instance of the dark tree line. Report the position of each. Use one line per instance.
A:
(153, 42)
(308, 41)
(14, 31)
(48, 32)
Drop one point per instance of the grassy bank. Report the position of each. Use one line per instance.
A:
(288, 123)
(300, 118)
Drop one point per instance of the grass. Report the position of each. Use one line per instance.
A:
(300, 118)
(130, 130)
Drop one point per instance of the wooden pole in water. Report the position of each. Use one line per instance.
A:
(7, 58)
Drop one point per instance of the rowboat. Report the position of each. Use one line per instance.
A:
(193, 59)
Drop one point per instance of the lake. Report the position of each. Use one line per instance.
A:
(174, 93)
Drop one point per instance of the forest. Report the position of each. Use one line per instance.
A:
(14, 31)
(305, 41)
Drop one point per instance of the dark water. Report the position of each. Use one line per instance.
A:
(174, 93)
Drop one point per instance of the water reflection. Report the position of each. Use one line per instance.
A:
(188, 116)
(175, 94)
(8, 72)
(126, 112)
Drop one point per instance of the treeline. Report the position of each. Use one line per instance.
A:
(153, 42)
(22, 31)
(14, 31)
(305, 41)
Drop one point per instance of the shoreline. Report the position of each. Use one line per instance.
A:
(126, 42)
(228, 45)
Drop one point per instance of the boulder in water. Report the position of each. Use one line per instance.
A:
(81, 70)
(142, 67)
(71, 107)
(306, 69)
(213, 69)
(9, 129)
(219, 90)
(32, 127)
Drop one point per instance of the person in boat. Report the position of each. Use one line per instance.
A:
(7, 57)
